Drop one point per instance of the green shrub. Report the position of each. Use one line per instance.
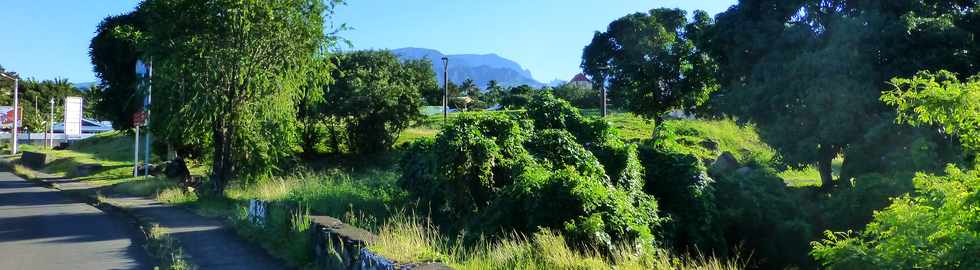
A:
(936, 228)
(759, 214)
(556, 148)
(622, 164)
(469, 161)
(748, 212)
(686, 195)
(549, 112)
(488, 175)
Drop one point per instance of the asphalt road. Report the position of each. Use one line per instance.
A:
(42, 228)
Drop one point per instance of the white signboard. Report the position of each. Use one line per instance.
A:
(73, 116)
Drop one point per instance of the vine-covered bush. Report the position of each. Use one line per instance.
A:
(490, 174)
(686, 195)
(461, 169)
(549, 112)
(729, 213)
(556, 148)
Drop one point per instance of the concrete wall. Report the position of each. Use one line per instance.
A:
(337, 245)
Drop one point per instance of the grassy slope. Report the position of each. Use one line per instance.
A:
(113, 150)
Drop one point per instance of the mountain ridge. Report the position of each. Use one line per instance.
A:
(481, 68)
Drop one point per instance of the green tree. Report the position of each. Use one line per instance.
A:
(581, 97)
(311, 113)
(517, 97)
(227, 75)
(939, 99)
(377, 96)
(651, 61)
(494, 93)
(934, 229)
(114, 56)
(809, 72)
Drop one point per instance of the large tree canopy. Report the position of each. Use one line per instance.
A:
(809, 72)
(227, 75)
(377, 96)
(651, 62)
(114, 57)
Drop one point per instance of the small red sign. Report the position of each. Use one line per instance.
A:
(139, 118)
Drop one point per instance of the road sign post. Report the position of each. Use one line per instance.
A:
(138, 119)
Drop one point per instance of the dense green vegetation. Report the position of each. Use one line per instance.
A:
(827, 137)
(651, 63)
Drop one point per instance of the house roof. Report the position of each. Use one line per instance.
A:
(580, 78)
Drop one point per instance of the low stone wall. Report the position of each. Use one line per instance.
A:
(337, 245)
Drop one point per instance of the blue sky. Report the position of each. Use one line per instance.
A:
(46, 39)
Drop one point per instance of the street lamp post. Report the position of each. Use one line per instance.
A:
(13, 144)
(602, 88)
(51, 125)
(445, 90)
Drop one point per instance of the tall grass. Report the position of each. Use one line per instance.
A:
(161, 189)
(285, 234)
(359, 197)
(405, 238)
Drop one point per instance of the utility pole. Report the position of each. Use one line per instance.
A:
(601, 82)
(51, 125)
(146, 107)
(16, 115)
(602, 87)
(136, 152)
(445, 90)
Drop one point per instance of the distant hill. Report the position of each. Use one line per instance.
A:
(83, 86)
(481, 68)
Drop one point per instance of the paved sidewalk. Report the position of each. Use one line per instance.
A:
(42, 228)
(208, 242)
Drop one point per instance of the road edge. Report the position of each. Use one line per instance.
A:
(166, 250)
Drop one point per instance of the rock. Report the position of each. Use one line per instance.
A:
(61, 146)
(177, 169)
(86, 169)
(157, 169)
(34, 159)
(724, 164)
(142, 168)
(744, 171)
(709, 144)
(191, 184)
